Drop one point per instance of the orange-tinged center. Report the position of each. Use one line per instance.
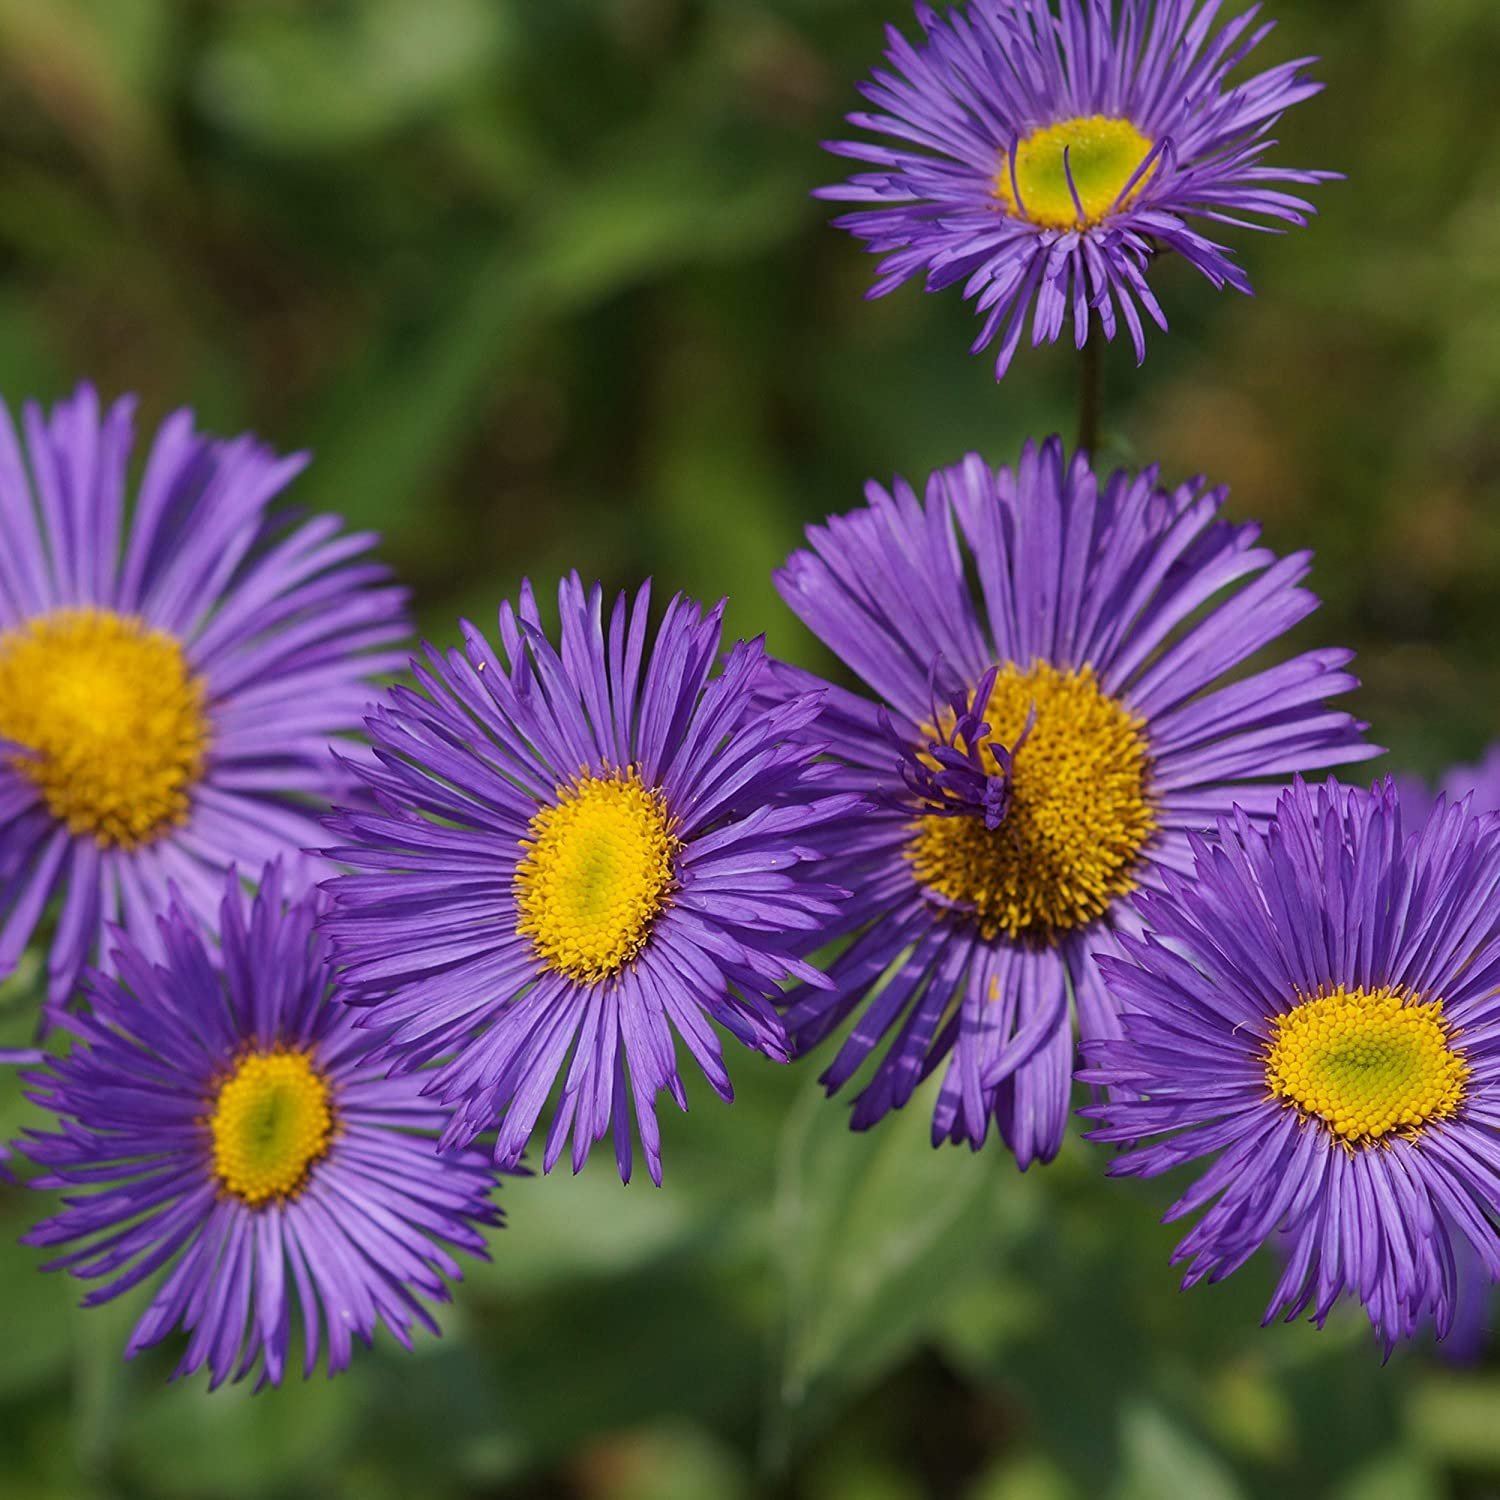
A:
(1079, 816)
(112, 719)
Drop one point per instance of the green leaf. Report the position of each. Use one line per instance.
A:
(652, 201)
(1034, 1477)
(874, 1235)
(1394, 1474)
(1160, 1458)
(307, 79)
(1453, 1417)
(293, 1439)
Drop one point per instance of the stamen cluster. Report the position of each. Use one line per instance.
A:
(1367, 1063)
(596, 873)
(1078, 815)
(110, 719)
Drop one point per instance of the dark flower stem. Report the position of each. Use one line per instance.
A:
(1090, 391)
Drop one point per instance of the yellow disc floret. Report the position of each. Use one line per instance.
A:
(1102, 155)
(112, 718)
(1367, 1063)
(270, 1122)
(597, 871)
(1079, 814)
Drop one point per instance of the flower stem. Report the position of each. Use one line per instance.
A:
(1090, 390)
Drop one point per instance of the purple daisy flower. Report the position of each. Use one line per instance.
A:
(1042, 151)
(1050, 658)
(171, 672)
(1317, 1008)
(1480, 782)
(582, 850)
(222, 1117)
(1473, 1320)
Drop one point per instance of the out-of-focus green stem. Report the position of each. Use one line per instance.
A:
(1090, 390)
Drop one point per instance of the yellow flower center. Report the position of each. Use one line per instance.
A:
(1102, 155)
(597, 871)
(272, 1119)
(1367, 1063)
(1079, 813)
(113, 717)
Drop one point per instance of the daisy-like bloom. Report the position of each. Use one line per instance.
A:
(582, 850)
(1479, 782)
(1317, 1009)
(222, 1118)
(1473, 1320)
(1040, 152)
(172, 672)
(1052, 717)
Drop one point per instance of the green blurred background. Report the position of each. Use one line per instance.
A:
(541, 284)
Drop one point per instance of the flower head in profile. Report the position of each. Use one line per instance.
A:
(1314, 1022)
(223, 1124)
(1053, 712)
(1041, 152)
(1479, 782)
(584, 853)
(172, 672)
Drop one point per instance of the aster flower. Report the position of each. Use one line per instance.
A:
(582, 849)
(1469, 1334)
(1317, 1009)
(171, 672)
(1479, 782)
(1082, 681)
(222, 1118)
(1042, 151)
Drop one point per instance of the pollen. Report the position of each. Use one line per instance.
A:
(597, 872)
(271, 1121)
(1100, 154)
(1367, 1063)
(1079, 816)
(111, 720)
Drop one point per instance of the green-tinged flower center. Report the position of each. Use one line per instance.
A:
(271, 1120)
(113, 720)
(1100, 154)
(596, 874)
(1079, 813)
(1367, 1063)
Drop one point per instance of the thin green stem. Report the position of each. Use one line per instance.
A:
(1090, 391)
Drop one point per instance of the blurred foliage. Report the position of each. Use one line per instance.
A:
(540, 283)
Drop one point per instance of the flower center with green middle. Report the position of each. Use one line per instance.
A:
(597, 872)
(1367, 1063)
(112, 718)
(1078, 819)
(271, 1121)
(1099, 153)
